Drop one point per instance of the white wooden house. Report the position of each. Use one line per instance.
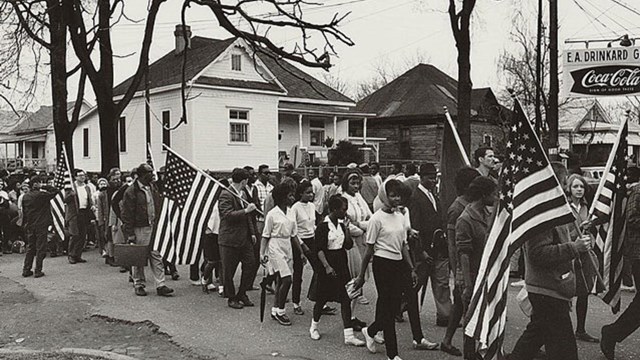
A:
(240, 111)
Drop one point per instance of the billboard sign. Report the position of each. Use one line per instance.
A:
(601, 72)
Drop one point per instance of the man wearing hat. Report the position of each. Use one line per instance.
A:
(430, 252)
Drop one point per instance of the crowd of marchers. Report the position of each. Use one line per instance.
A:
(348, 228)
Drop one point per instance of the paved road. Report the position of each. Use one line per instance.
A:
(204, 324)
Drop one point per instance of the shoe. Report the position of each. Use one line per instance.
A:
(351, 339)
(371, 344)
(175, 276)
(396, 358)
(399, 318)
(379, 338)
(627, 288)
(27, 273)
(450, 349)
(112, 261)
(38, 274)
(363, 300)
(298, 310)
(72, 260)
(81, 260)
(234, 304)
(244, 300)
(221, 291)
(269, 289)
(424, 344)
(314, 333)
(212, 287)
(607, 344)
(328, 310)
(518, 283)
(164, 291)
(283, 319)
(140, 291)
(586, 337)
(358, 324)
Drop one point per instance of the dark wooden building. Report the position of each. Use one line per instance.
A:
(410, 116)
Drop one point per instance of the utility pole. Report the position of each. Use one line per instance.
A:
(552, 111)
(538, 125)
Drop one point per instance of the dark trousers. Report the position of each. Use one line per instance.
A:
(410, 295)
(76, 243)
(389, 276)
(550, 326)
(36, 243)
(298, 268)
(231, 257)
(629, 321)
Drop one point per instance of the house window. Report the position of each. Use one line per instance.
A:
(166, 125)
(236, 62)
(238, 126)
(316, 132)
(122, 132)
(487, 140)
(85, 142)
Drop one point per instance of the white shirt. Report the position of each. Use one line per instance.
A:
(318, 195)
(304, 215)
(378, 179)
(388, 233)
(83, 197)
(335, 237)
(279, 225)
(213, 225)
(429, 196)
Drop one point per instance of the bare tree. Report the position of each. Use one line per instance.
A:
(41, 25)
(336, 83)
(460, 24)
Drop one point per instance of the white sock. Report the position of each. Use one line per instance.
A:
(314, 325)
(274, 310)
(280, 311)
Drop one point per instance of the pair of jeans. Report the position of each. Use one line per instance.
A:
(550, 326)
(231, 256)
(389, 276)
(143, 237)
(629, 321)
(36, 244)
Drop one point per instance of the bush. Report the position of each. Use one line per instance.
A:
(344, 154)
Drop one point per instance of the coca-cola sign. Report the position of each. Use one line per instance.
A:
(606, 80)
(601, 72)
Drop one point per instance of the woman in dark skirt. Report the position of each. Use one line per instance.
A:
(332, 241)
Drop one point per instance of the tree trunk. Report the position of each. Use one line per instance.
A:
(464, 92)
(58, 58)
(110, 155)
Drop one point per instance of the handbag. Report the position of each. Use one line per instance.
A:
(351, 289)
(130, 254)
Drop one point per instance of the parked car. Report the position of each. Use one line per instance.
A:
(593, 174)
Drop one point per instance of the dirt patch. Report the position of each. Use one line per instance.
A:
(30, 323)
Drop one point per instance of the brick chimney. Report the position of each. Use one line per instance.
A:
(181, 43)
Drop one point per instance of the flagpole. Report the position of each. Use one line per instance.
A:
(208, 176)
(607, 169)
(456, 136)
(66, 161)
(153, 161)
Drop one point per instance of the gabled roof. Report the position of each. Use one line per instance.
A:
(588, 115)
(423, 90)
(40, 120)
(168, 71)
(9, 120)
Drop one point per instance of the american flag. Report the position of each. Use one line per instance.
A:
(150, 161)
(531, 200)
(608, 209)
(189, 198)
(62, 180)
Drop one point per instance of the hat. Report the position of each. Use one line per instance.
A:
(103, 180)
(352, 166)
(427, 169)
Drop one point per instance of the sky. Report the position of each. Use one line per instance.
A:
(391, 33)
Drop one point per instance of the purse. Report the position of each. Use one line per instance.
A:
(130, 254)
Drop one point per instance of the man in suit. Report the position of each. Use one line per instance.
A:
(250, 192)
(236, 238)
(431, 251)
(140, 207)
(78, 215)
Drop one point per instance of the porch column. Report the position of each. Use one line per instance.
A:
(300, 129)
(335, 130)
(364, 131)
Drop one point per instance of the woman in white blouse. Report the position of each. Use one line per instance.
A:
(304, 214)
(358, 213)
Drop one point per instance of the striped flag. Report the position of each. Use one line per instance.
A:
(62, 180)
(609, 215)
(531, 200)
(189, 198)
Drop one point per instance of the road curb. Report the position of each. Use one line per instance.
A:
(88, 352)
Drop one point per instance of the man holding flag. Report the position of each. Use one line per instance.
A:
(532, 209)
